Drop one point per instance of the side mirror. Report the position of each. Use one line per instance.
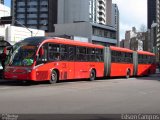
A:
(41, 52)
(5, 50)
(36, 57)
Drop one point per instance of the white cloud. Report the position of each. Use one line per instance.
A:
(132, 13)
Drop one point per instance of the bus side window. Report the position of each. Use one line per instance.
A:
(71, 53)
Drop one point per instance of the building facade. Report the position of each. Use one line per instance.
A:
(115, 21)
(95, 33)
(158, 29)
(37, 14)
(43, 14)
(71, 11)
(86, 18)
(154, 26)
(135, 40)
(48, 14)
(101, 12)
(1, 1)
(109, 12)
(129, 34)
(4, 11)
(151, 7)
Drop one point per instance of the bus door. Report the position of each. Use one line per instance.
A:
(71, 63)
(42, 71)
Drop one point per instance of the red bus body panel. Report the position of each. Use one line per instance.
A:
(146, 69)
(67, 70)
(118, 69)
(143, 69)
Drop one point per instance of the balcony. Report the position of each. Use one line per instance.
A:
(102, 2)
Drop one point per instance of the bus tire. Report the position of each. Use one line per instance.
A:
(54, 77)
(148, 73)
(27, 82)
(128, 73)
(92, 75)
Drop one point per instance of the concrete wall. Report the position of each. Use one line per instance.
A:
(83, 29)
(109, 12)
(70, 11)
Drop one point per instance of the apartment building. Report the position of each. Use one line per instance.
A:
(37, 14)
(4, 11)
(46, 14)
(115, 21)
(1, 1)
(151, 8)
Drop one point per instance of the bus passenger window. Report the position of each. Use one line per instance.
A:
(57, 56)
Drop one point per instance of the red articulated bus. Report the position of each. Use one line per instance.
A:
(55, 59)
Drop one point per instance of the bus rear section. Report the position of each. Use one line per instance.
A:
(146, 63)
(118, 62)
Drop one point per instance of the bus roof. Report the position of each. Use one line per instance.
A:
(39, 40)
(33, 40)
(121, 49)
(145, 53)
(72, 42)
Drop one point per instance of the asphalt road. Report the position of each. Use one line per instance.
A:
(133, 95)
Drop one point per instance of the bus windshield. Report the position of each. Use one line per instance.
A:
(23, 55)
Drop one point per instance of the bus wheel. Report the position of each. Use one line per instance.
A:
(128, 74)
(27, 82)
(54, 77)
(148, 73)
(92, 75)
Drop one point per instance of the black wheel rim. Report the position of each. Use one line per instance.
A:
(53, 77)
(92, 76)
(128, 74)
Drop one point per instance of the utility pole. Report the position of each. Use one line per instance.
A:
(24, 27)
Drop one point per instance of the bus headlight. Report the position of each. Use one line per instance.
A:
(6, 69)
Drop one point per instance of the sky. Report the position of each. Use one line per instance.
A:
(7, 2)
(133, 13)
